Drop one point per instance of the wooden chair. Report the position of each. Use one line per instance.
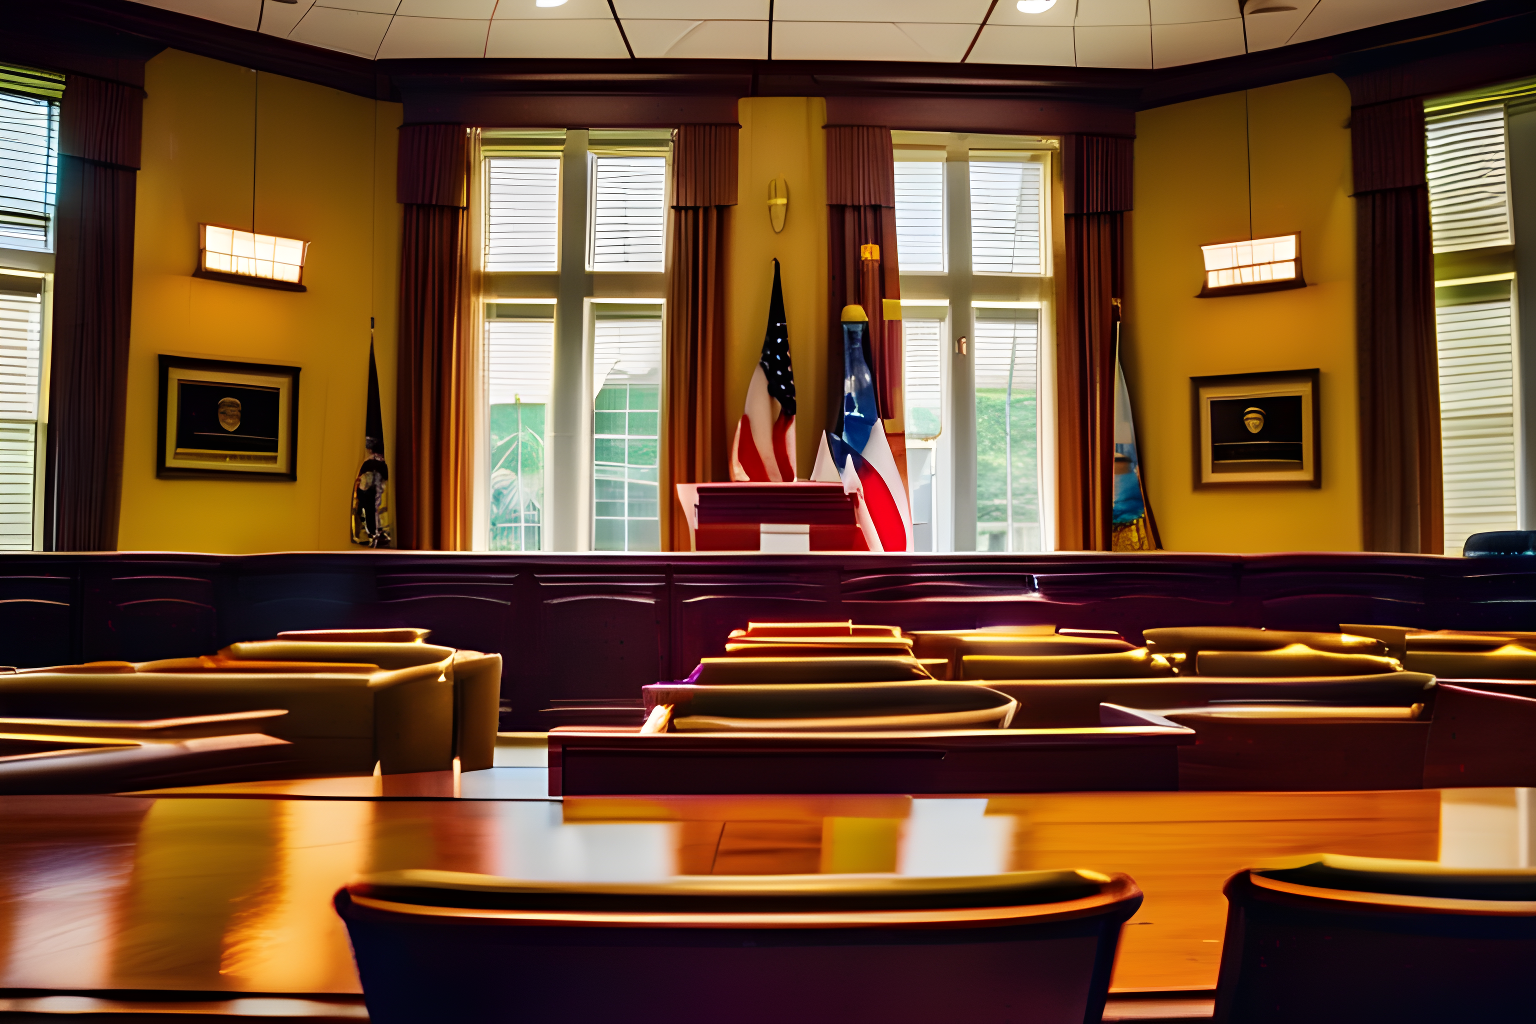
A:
(1327, 939)
(1033, 946)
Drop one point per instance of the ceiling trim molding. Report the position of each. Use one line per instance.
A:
(1448, 50)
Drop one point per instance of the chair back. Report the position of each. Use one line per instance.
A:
(445, 947)
(1328, 939)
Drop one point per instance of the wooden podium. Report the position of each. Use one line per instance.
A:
(783, 518)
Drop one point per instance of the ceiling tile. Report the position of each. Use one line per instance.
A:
(1331, 17)
(954, 12)
(694, 10)
(1113, 12)
(279, 19)
(434, 37)
(1007, 13)
(1181, 12)
(480, 9)
(1202, 40)
(743, 40)
(654, 37)
(572, 10)
(833, 40)
(1266, 31)
(584, 38)
(239, 13)
(1015, 44)
(366, 6)
(1122, 46)
(351, 31)
(943, 42)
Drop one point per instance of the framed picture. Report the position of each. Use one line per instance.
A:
(227, 419)
(1258, 428)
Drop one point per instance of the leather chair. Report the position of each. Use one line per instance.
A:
(475, 677)
(1326, 939)
(826, 706)
(444, 947)
(342, 719)
(1065, 703)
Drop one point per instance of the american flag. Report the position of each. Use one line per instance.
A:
(861, 458)
(764, 449)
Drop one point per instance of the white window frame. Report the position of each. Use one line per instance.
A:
(958, 291)
(573, 289)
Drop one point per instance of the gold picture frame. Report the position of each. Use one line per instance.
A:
(227, 419)
(1258, 429)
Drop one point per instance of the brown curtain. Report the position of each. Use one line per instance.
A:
(1400, 472)
(99, 135)
(1096, 171)
(861, 201)
(432, 468)
(704, 163)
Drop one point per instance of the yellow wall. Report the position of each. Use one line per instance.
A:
(325, 172)
(1192, 189)
(781, 137)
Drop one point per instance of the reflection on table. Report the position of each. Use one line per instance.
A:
(212, 892)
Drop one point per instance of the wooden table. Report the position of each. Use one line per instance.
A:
(227, 889)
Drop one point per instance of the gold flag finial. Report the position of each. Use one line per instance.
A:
(854, 314)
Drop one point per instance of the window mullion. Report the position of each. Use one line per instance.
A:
(961, 429)
(569, 462)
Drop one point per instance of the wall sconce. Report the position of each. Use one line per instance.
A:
(1256, 265)
(244, 257)
(778, 203)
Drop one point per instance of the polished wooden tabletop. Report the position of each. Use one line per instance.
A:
(228, 888)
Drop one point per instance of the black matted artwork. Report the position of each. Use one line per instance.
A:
(1257, 428)
(229, 419)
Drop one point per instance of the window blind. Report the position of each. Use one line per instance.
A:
(923, 345)
(1468, 172)
(920, 216)
(519, 354)
(523, 216)
(1477, 418)
(29, 136)
(21, 342)
(629, 211)
(1006, 198)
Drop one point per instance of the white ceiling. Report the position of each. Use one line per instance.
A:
(1081, 33)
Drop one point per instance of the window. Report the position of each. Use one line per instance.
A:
(1473, 327)
(972, 231)
(1474, 183)
(1007, 430)
(519, 351)
(575, 230)
(1466, 162)
(29, 151)
(626, 433)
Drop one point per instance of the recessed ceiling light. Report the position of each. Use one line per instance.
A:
(1035, 6)
(548, 3)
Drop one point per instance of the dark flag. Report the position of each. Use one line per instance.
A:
(764, 448)
(370, 492)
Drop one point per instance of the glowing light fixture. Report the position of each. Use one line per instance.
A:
(244, 257)
(1255, 265)
(548, 3)
(1035, 6)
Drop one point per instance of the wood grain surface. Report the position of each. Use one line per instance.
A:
(231, 893)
